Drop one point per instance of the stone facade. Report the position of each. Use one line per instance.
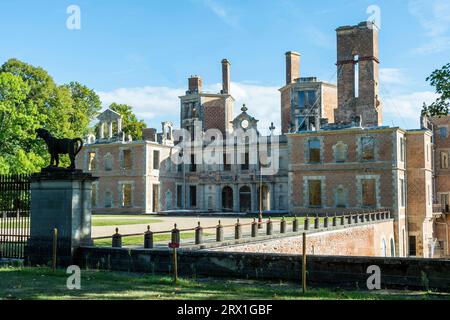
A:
(333, 156)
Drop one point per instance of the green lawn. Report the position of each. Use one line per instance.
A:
(139, 240)
(42, 283)
(121, 220)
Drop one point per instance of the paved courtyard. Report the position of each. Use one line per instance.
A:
(166, 224)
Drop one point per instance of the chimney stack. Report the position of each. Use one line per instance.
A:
(292, 66)
(225, 76)
(195, 84)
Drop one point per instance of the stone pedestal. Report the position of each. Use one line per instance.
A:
(60, 199)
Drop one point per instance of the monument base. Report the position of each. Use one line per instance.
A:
(61, 200)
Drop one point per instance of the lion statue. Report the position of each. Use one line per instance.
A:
(60, 146)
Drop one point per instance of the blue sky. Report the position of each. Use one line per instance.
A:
(142, 52)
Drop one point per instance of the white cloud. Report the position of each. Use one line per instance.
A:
(221, 12)
(434, 17)
(162, 103)
(404, 110)
(148, 102)
(391, 76)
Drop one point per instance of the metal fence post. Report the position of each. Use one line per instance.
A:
(269, 227)
(117, 239)
(283, 225)
(55, 248)
(148, 239)
(316, 222)
(219, 232)
(306, 223)
(198, 234)
(325, 222)
(295, 224)
(254, 228)
(237, 230)
(175, 235)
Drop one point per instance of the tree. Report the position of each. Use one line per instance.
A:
(130, 124)
(440, 79)
(19, 118)
(29, 99)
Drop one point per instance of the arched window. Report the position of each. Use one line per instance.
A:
(340, 152)
(383, 248)
(392, 245)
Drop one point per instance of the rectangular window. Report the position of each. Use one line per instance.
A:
(92, 165)
(307, 99)
(444, 160)
(126, 160)
(155, 198)
(193, 196)
(246, 164)
(126, 195)
(412, 246)
(179, 196)
(402, 193)
(369, 193)
(155, 159)
(193, 166)
(314, 151)
(315, 193)
(368, 148)
(226, 162)
(443, 132)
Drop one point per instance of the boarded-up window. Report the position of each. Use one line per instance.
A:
(108, 163)
(315, 193)
(92, 165)
(340, 198)
(341, 152)
(179, 196)
(126, 195)
(155, 159)
(444, 160)
(314, 151)
(368, 148)
(369, 194)
(108, 199)
(127, 160)
(193, 196)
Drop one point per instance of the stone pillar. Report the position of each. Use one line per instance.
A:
(219, 198)
(119, 126)
(60, 199)
(272, 197)
(236, 202)
(102, 130)
(255, 198)
(110, 130)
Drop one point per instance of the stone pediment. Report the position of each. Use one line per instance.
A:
(244, 120)
(109, 116)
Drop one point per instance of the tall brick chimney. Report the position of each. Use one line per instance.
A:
(195, 84)
(226, 76)
(292, 66)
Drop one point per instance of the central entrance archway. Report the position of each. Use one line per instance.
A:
(245, 199)
(227, 199)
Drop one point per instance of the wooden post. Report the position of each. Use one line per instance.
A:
(175, 266)
(304, 264)
(55, 247)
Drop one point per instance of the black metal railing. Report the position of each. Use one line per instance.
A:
(14, 215)
(251, 230)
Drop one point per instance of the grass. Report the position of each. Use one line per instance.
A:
(41, 283)
(120, 222)
(139, 240)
